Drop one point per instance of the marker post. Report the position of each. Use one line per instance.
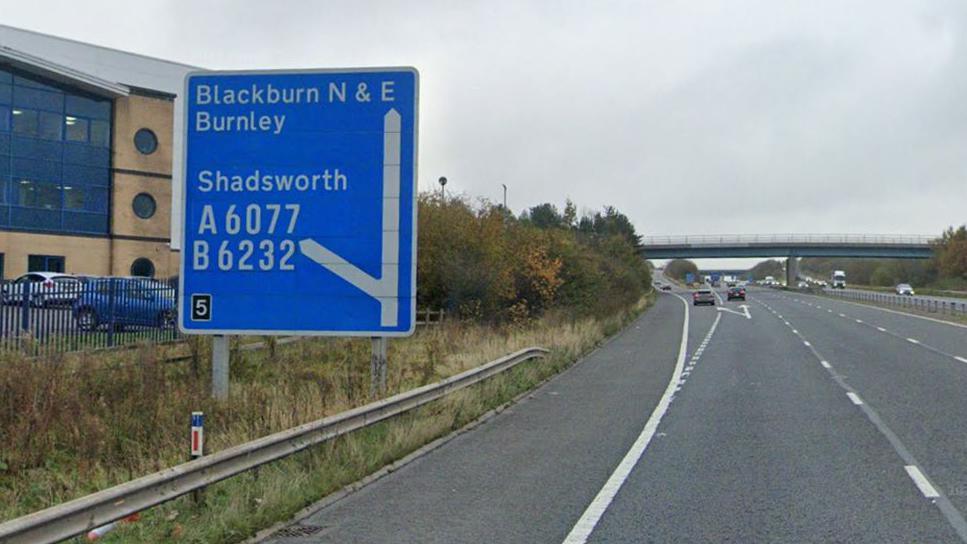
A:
(197, 448)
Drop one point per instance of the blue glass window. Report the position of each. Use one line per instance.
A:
(49, 124)
(55, 156)
(101, 134)
(75, 129)
(80, 106)
(38, 99)
(25, 121)
(45, 263)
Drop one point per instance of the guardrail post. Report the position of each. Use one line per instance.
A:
(220, 367)
(377, 365)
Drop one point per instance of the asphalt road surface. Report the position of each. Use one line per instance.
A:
(794, 419)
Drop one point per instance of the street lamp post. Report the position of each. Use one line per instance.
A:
(505, 195)
(443, 188)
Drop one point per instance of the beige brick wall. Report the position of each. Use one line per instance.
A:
(132, 113)
(127, 251)
(123, 219)
(81, 255)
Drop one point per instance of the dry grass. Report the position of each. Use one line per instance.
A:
(71, 427)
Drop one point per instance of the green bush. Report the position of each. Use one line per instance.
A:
(481, 262)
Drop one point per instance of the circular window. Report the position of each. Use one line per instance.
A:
(142, 267)
(145, 141)
(144, 205)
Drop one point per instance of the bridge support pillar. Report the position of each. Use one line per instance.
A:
(792, 271)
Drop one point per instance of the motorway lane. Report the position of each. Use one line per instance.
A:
(947, 337)
(918, 392)
(527, 474)
(760, 445)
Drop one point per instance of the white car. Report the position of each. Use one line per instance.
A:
(42, 289)
(905, 289)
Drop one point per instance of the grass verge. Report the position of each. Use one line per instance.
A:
(103, 422)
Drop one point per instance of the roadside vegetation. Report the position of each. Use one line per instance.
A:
(71, 425)
(946, 271)
(772, 267)
(677, 269)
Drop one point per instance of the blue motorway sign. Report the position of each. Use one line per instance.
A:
(689, 277)
(299, 205)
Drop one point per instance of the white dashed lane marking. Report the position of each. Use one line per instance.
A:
(922, 483)
(911, 465)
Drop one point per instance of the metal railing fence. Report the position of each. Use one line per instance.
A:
(872, 239)
(69, 314)
(926, 305)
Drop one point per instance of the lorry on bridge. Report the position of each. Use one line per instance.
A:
(838, 279)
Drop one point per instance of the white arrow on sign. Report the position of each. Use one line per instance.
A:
(384, 289)
(745, 310)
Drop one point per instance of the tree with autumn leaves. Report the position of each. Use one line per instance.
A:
(481, 262)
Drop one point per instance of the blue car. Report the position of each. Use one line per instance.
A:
(140, 302)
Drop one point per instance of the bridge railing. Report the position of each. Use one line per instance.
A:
(743, 239)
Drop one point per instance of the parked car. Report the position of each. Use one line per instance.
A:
(736, 292)
(703, 296)
(905, 289)
(124, 302)
(42, 289)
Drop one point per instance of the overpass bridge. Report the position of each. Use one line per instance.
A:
(792, 246)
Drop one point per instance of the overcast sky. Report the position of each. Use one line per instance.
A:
(691, 117)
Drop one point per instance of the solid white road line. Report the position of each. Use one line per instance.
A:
(913, 340)
(961, 359)
(592, 514)
(854, 397)
(825, 364)
(923, 484)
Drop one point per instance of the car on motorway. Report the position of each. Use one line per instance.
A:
(666, 287)
(736, 292)
(124, 302)
(42, 289)
(904, 289)
(703, 296)
(802, 285)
